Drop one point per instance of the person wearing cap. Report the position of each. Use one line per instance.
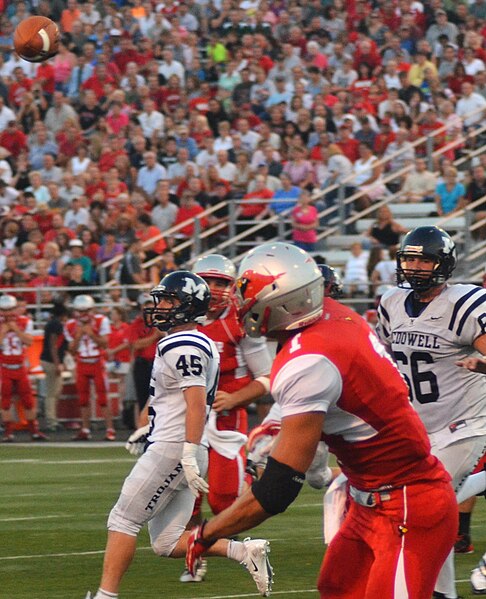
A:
(143, 342)
(78, 257)
(441, 27)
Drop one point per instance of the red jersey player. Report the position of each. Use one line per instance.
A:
(15, 336)
(87, 335)
(334, 381)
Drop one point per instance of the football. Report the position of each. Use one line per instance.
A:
(36, 39)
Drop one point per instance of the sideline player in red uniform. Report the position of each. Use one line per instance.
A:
(87, 335)
(334, 380)
(15, 336)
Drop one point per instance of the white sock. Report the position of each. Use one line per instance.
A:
(236, 550)
(474, 484)
(101, 594)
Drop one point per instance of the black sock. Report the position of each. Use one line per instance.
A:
(464, 523)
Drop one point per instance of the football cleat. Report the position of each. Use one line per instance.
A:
(258, 565)
(463, 544)
(88, 595)
(110, 434)
(478, 578)
(82, 435)
(201, 570)
(39, 437)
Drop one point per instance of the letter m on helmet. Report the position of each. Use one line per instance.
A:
(191, 287)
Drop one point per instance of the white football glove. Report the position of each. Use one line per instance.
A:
(136, 441)
(196, 483)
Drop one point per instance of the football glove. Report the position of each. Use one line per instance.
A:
(196, 546)
(136, 441)
(196, 483)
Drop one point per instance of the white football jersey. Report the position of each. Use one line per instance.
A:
(426, 348)
(182, 360)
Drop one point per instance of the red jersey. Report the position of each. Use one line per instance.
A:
(12, 350)
(227, 332)
(87, 348)
(116, 338)
(339, 367)
(138, 329)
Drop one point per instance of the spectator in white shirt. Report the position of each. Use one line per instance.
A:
(470, 102)
(150, 174)
(6, 114)
(77, 215)
(151, 120)
(169, 66)
(226, 170)
(130, 72)
(249, 138)
(180, 170)
(50, 172)
(207, 156)
(356, 271)
(224, 141)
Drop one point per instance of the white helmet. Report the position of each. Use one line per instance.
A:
(83, 302)
(281, 289)
(8, 302)
(217, 266)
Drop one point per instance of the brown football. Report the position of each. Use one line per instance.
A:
(36, 39)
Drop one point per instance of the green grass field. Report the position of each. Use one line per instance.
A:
(53, 507)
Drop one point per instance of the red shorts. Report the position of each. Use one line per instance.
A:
(95, 372)
(371, 556)
(16, 380)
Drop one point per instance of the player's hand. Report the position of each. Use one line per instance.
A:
(223, 401)
(473, 364)
(196, 483)
(196, 547)
(136, 441)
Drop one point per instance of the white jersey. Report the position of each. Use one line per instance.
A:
(182, 360)
(447, 397)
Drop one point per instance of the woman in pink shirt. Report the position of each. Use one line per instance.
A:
(305, 222)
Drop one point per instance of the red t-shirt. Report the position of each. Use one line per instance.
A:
(191, 212)
(138, 330)
(116, 338)
(253, 208)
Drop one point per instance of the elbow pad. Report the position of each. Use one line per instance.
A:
(278, 487)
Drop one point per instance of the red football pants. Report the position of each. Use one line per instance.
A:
(17, 380)
(225, 476)
(97, 373)
(370, 557)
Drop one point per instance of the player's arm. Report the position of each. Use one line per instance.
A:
(259, 362)
(476, 364)
(280, 483)
(195, 398)
(25, 337)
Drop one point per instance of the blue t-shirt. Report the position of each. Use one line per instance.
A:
(449, 199)
(292, 195)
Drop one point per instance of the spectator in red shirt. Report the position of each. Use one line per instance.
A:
(126, 54)
(58, 227)
(347, 143)
(170, 95)
(189, 209)
(384, 137)
(40, 280)
(118, 351)
(18, 88)
(97, 82)
(428, 124)
(143, 342)
(45, 76)
(13, 140)
(145, 231)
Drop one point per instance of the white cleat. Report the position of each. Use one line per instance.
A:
(88, 595)
(478, 578)
(201, 571)
(258, 565)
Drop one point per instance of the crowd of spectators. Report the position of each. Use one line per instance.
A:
(152, 112)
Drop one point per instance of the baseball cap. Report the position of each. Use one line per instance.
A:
(75, 243)
(144, 298)
(115, 32)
